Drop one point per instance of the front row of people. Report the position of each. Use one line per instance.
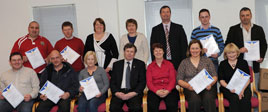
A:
(128, 80)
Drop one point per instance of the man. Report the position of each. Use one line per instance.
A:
(207, 29)
(24, 79)
(63, 76)
(128, 81)
(247, 31)
(171, 36)
(73, 42)
(30, 41)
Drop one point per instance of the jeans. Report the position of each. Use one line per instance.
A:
(90, 105)
(5, 106)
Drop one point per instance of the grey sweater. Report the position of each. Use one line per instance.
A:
(100, 77)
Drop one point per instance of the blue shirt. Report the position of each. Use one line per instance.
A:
(131, 39)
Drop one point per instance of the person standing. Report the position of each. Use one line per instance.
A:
(171, 36)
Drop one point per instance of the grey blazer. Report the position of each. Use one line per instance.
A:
(100, 77)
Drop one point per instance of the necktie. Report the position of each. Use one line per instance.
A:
(128, 76)
(168, 47)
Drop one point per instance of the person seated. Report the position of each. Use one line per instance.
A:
(64, 77)
(101, 79)
(25, 81)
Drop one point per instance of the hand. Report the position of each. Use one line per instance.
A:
(208, 87)
(107, 69)
(165, 93)
(65, 96)
(232, 91)
(47, 60)
(243, 50)
(25, 59)
(64, 60)
(205, 50)
(190, 88)
(119, 95)
(214, 55)
(260, 60)
(81, 89)
(129, 95)
(97, 96)
(241, 95)
(43, 97)
(1, 96)
(160, 93)
(27, 97)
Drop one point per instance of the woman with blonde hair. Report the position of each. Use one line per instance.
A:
(102, 81)
(227, 68)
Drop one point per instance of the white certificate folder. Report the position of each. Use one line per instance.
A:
(201, 81)
(90, 87)
(210, 44)
(12, 95)
(253, 48)
(238, 81)
(52, 92)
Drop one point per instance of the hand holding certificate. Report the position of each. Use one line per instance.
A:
(52, 92)
(201, 81)
(35, 57)
(210, 44)
(69, 54)
(90, 87)
(12, 95)
(253, 48)
(238, 81)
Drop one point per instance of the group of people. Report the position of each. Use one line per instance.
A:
(174, 61)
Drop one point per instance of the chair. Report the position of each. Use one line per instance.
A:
(184, 103)
(255, 102)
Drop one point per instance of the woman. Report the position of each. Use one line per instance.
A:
(188, 69)
(161, 81)
(103, 43)
(227, 68)
(102, 81)
(136, 38)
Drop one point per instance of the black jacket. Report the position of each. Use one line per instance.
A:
(235, 35)
(68, 78)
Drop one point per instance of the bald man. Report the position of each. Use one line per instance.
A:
(63, 76)
(30, 41)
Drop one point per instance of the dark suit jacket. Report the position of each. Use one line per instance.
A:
(177, 42)
(137, 78)
(235, 35)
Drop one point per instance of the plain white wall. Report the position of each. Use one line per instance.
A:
(15, 16)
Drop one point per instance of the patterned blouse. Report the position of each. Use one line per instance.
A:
(187, 70)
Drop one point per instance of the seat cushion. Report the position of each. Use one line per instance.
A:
(254, 102)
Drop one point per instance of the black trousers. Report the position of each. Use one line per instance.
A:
(236, 105)
(46, 106)
(206, 98)
(134, 104)
(171, 101)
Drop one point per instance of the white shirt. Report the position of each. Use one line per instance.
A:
(168, 26)
(247, 37)
(69, 38)
(123, 84)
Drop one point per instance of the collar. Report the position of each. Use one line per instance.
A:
(69, 38)
(167, 24)
(163, 62)
(35, 38)
(201, 27)
(125, 61)
(251, 25)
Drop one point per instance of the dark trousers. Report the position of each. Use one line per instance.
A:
(206, 98)
(171, 101)
(134, 103)
(236, 105)
(46, 106)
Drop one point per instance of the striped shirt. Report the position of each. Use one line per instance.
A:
(200, 32)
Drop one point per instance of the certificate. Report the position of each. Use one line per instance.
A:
(253, 48)
(90, 87)
(12, 95)
(52, 92)
(201, 81)
(35, 57)
(238, 81)
(210, 44)
(69, 54)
